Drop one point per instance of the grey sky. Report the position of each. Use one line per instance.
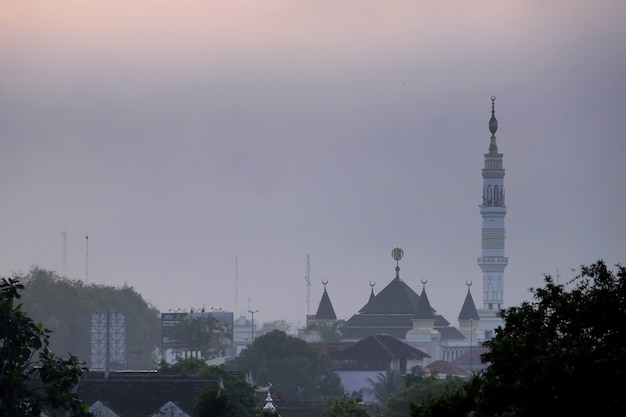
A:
(179, 135)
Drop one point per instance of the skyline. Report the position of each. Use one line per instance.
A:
(179, 137)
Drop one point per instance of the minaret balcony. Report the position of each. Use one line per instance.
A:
(493, 260)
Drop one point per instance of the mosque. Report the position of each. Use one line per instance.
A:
(397, 310)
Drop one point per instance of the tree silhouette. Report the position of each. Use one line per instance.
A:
(32, 378)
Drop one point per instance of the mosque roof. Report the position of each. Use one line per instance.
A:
(396, 298)
(468, 311)
(325, 310)
(424, 310)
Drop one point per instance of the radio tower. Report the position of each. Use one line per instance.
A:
(307, 280)
(86, 258)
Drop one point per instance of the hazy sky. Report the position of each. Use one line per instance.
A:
(183, 135)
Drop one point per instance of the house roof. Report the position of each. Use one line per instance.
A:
(138, 394)
(471, 358)
(446, 368)
(375, 351)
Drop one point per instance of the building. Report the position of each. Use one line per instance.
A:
(397, 310)
(140, 394)
(493, 209)
(207, 335)
(362, 361)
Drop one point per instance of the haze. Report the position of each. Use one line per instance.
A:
(181, 136)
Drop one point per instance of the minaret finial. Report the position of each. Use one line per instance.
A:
(424, 282)
(324, 282)
(397, 254)
(493, 127)
(469, 284)
(372, 283)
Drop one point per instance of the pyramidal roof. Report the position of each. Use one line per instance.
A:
(396, 298)
(424, 309)
(468, 311)
(325, 310)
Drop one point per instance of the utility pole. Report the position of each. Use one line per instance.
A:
(307, 279)
(471, 341)
(252, 330)
(86, 259)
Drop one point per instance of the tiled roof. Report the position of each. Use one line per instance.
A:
(470, 358)
(446, 368)
(378, 347)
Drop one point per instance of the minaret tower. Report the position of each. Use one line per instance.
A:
(493, 209)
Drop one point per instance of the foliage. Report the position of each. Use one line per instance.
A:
(237, 396)
(296, 370)
(65, 307)
(213, 401)
(346, 407)
(184, 366)
(239, 390)
(203, 332)
(454, 399)
(270, 326)
(329, 331)
(561, 354)
(417, 389)
(32, 377)
(386, 385)
(262, 412)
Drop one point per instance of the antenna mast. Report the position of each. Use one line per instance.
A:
(86, 258)
(307, 279)
(64, 253)
(236, 282)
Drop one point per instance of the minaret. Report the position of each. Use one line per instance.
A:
(493, 209)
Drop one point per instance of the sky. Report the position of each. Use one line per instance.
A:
(209, 148)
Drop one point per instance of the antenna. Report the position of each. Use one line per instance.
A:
(86, 258)
(236, 282)
(307, 280)
(64, 253)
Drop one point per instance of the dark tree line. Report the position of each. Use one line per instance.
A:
(64, 306)
(33, 380)
(564, 353)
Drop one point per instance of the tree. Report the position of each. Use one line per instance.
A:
(417, 389)
(345, 407)
(32, 378)
(65, 307)
(230, 396)
(453, 398)
(213, 401)
(296, 370)
(270, 326)
(329, 331)
(561, 354)
(385, 386)
(566, 345)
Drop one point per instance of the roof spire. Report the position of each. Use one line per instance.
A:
(493, 127)
(397, 254)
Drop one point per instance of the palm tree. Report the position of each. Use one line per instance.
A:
(387, 385)
(330, 331)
